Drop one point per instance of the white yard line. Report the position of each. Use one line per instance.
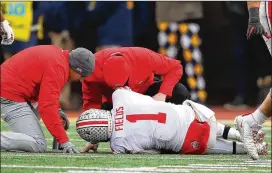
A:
(71, 139)
(113, 156)
(182, 170)
(188, 168)
(266, 165)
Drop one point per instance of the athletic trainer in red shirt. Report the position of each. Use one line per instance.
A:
(35, 76)
(134, 67)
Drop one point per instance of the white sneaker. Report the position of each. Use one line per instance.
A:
(259, 136)
(247, 137)
(262, 148)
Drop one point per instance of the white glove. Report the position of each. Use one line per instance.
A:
(68, 147)
(6, 33)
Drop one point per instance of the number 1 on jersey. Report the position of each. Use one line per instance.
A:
(160, 117)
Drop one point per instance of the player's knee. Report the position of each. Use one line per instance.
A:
(41, 145)
(11, 141)
(180, 94)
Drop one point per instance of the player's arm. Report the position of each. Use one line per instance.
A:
(254, 25)
(170, 69)
(50, 88)
(148, 152)
(92, 95)
(118, 147)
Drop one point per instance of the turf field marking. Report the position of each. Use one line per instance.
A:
(188, 168)
(183, 170)
(124, 169)
(118, 156)
(257, 164)
(260, 161)
(83, 168)
(77, 140)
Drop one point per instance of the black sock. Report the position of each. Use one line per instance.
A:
(234, 147)
(226, 132)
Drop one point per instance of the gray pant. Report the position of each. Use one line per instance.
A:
(26, 132)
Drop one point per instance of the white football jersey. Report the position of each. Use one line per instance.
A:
(141, 124)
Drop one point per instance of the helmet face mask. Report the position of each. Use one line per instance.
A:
(94, 125)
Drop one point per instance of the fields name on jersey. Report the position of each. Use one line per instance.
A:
(119, 118)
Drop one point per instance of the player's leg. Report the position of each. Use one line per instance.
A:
(221, 130)
(26, 132)
(227, 132)
(265, 18)
(259, 117)
(227, 147)
(232, 147)
(249, 125)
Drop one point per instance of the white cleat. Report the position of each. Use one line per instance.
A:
(247, 137)
(258, 136)
(262, 148)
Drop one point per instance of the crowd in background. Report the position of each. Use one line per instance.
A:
(209, 38)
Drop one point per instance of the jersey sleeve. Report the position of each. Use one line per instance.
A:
(117, 147)
(148, 152)
(120, 146)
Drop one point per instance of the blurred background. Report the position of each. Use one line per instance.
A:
(221, 67)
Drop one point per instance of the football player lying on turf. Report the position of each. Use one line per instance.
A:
(139, 124)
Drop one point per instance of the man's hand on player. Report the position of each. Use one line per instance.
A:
(159, 97)
(89, 147)
(254, 25)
